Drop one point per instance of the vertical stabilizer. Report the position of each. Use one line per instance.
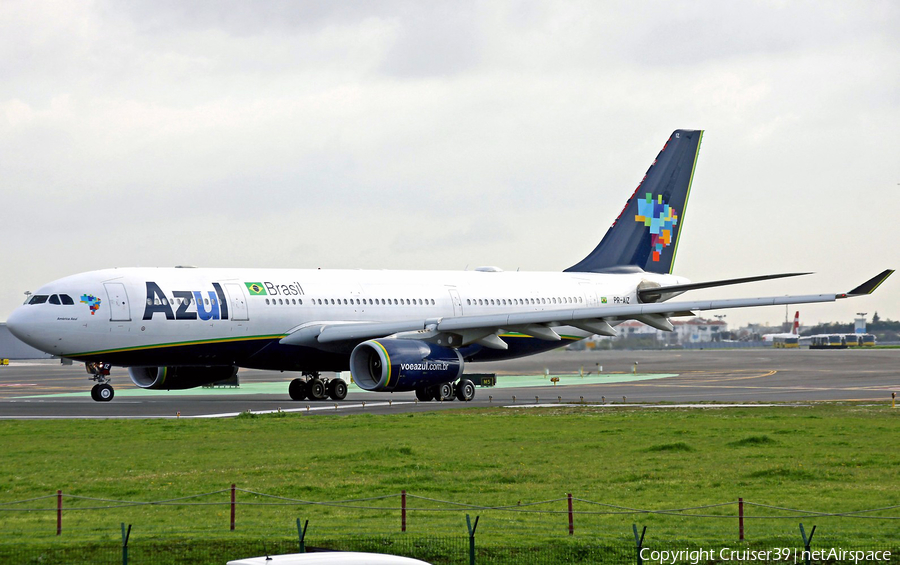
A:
(646, 233)
(795, 329)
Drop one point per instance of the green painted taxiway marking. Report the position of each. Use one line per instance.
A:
(281, 387)
(571, 380)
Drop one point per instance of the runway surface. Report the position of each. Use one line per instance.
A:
(46, 389)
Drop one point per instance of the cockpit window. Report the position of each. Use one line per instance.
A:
(66, 299)
(38, 299)
(54, 299)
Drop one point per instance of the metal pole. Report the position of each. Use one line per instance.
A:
(402, 510)
(807, 541)
(741, 518)
(59, 512)
(639, 542)
(302, 534)
(125, 536)
(232, 507)
(471, 538)
(571, 518)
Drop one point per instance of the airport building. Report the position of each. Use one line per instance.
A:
(687, 331)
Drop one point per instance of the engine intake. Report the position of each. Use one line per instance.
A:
(179, 378)
(397, 365)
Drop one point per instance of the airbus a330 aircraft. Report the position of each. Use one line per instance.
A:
(180, 328)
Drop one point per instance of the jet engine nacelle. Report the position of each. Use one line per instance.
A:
(179, 378)
(396, 365)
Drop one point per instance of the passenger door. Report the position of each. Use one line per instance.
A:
(119, 310)
(237, 303)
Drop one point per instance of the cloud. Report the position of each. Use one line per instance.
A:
(410, 135)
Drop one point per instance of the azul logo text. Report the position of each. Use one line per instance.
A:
(192, 304)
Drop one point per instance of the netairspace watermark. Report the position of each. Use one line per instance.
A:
(784, 554)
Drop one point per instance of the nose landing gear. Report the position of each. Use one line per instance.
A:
(102, 391)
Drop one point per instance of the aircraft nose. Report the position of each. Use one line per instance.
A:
(20, 324)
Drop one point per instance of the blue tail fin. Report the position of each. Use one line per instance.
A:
(645, 235)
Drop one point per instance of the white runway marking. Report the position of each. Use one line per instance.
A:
(308, 408)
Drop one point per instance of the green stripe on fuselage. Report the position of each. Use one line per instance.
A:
(175, 344)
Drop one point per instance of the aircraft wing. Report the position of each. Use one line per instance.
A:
(485, 329)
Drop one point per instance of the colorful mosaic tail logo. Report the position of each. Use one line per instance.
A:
(92, 301)
(661, 219)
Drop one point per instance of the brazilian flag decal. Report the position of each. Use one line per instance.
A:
(256, 289)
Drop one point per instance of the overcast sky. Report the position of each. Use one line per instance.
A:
(430, 135)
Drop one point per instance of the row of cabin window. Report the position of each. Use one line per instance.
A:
(522, 301)
(58, 299)
(173, 301)
(355, 301)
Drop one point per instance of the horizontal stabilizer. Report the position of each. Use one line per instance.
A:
(653, 294)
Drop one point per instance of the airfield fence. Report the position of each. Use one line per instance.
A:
(559, 544)
(730, 510)
(448, 550)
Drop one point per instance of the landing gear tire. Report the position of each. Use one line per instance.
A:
(316, 389)
(465, 390)
(444, 391)
(337, 389)
(102, 393)
(298, 389)
(425, 394)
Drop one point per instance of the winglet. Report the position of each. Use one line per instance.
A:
(870, 285)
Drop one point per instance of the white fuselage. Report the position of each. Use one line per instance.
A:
(142, 316)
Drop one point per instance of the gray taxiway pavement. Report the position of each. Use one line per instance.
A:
(47, 389)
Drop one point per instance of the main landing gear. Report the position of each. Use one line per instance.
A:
(314, 387)
(463, 390)
(102, 391)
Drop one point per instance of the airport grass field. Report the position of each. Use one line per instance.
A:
(823, 457)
